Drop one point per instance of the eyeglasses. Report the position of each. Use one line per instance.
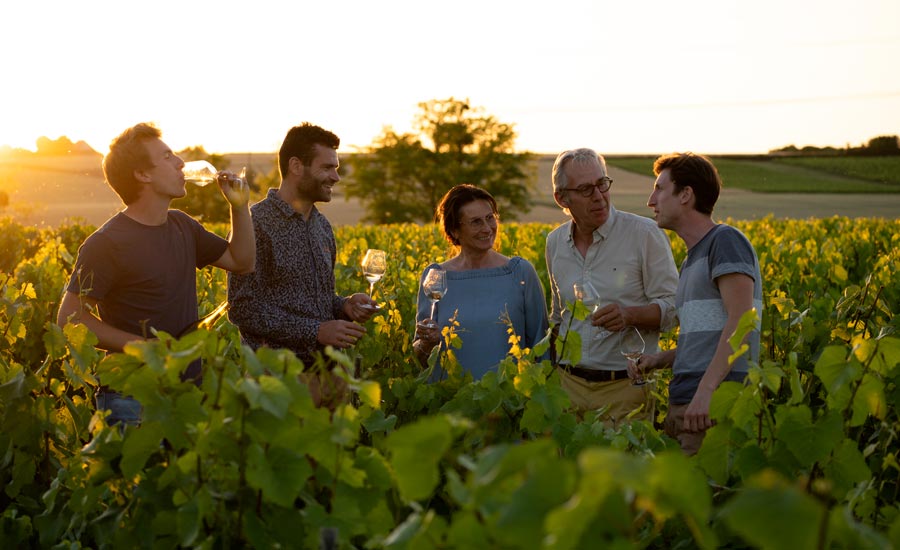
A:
(603, 184)
(480, 223)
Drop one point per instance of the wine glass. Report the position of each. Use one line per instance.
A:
(435, 287)
(201, 172)
(631, 345)
(374, 265)
(588, 295)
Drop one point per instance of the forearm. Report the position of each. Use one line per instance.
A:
(108, 337)
(719, 367)
(646, 317)
(661, 360)
(422, 350)
(243, 241)
(76, 308)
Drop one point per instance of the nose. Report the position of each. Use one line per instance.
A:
(180, 162)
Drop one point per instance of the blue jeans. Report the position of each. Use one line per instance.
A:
(125, 410)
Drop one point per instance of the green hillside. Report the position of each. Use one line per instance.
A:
(795, 174)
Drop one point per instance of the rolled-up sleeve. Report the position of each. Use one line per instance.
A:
(660, 276)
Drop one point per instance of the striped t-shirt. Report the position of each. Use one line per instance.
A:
(701, 313)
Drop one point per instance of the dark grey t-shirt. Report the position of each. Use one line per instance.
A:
(701, 313)
(145, 276)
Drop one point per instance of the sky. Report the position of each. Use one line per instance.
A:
(620, 76)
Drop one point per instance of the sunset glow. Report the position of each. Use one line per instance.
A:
(621, 77)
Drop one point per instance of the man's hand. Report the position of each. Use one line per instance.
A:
(696, 417)
(339, 334)
(235, 189)
(360, 307)
(650, 362)
(612, 317)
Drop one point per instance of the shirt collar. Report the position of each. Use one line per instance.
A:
(286, 209)
(602, 232)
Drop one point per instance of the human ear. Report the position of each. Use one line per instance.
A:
(561, 199)
(296, 166)
(142, 176)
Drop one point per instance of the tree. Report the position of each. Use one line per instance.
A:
(53, 147)
(883, 145)
(401, 177)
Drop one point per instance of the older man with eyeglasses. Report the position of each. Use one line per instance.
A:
(628, 260)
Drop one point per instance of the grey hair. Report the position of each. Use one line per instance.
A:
(579, 156)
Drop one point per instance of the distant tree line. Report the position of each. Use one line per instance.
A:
(880, 146)
(400, 177)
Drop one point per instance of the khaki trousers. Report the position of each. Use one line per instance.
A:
(620, 396)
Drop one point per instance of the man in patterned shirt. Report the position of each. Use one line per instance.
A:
(719, 282)
(289, 301)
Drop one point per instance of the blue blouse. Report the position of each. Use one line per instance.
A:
(482, 299)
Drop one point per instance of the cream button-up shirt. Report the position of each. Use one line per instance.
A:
(630, 263)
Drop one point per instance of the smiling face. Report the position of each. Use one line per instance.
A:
(317, 180)
(478, 226)
(588, 212)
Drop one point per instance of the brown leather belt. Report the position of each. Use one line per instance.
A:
(594, 375)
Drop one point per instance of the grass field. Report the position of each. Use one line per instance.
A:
(795, 174)
(884, 170)
(43, 191)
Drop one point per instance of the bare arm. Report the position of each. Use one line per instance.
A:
(650, 362)
(737, 297)
(78, 309)
(615, 317)
(240, 256)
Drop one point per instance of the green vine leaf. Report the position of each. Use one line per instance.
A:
(416, 450)
(769, 513)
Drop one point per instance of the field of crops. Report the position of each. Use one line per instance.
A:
(803, 456)
(795, 174)
(878, 169)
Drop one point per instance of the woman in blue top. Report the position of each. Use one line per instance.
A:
(485, 289)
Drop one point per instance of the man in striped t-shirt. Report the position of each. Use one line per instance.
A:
(719, 281)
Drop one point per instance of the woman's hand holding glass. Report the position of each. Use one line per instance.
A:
(435, 287)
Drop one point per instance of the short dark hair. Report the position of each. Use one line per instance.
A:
(128, 153)
(447, 212)
(694, 171)
(301, 142)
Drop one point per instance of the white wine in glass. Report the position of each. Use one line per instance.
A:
(588, 295)
(201, 172)
(631, 345)
(374, 265)
(435, 287)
